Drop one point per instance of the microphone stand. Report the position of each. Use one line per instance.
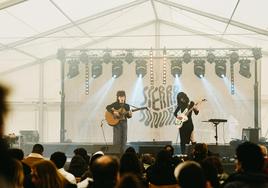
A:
(106, 145)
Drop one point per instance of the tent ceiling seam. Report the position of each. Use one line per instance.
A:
(214, 17)
(78, 22)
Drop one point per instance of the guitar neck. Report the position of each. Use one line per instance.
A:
(136, 109)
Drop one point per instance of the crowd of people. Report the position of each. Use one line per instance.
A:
(201, 169)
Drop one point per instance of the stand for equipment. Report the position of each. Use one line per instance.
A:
(216, 123)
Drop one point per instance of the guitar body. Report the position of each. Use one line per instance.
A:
(181, 118)
(111, 120)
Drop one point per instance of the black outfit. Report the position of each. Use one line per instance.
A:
(120, 130)
(187, 127)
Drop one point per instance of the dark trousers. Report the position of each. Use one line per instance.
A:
(120, 135)
(185, 136)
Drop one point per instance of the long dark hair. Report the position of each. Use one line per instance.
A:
(182, 96)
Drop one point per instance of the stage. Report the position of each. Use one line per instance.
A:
(140, 147)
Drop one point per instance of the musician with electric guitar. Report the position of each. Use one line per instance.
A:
(184, 122)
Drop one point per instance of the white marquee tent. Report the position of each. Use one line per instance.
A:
(32, 32)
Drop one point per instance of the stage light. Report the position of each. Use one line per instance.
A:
(256, 53)
(220, 68)
(129, 58)
(176, 68)
(186, 57)
(83, 57)
(199, 68)
(73, 68)
(245, 68)
(234, 57)
(141, 68)
(211, 57)
(96, 69)
(117, 68)
(107, 56)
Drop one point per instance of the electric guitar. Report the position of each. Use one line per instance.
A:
(114, 120)
(181, 118)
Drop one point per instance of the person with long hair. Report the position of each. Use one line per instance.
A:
(186, 131)
(45, 175)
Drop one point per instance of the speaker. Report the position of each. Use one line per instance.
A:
(250, 134)
(29, 136)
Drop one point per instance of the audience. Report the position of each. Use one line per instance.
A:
(78, 166)
(161, 172)
(189, 174)
(46, 175)
(130, 180)
(105, 171)
(249, 169)
(36, 155)
(59, 159)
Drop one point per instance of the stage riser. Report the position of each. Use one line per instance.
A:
(140, 147)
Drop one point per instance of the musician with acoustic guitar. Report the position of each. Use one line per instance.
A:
(120, 110)
(183, 113)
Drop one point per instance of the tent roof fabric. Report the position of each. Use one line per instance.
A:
(32, 31)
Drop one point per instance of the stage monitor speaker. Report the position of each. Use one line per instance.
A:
(31, 136)
(250, 134)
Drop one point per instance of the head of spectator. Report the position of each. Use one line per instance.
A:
(249, 157)
(200, 152)
(95, 156)
(83, 153)
(170, 149)
(129, 163)
(130, 150)
(189, 174)
(263, 150)
(16, 153)
(5, 159)
(38, 148)
(130, 180)
(105, 172)
(59, 159)
(45, 175)
(211, 173)
(4, 108)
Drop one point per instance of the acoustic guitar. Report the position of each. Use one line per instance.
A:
(114, 120)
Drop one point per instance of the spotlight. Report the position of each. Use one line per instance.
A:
(186, 56)
(106, 56)
(245, 68)
(211, 57)
(234, 57)
(220, 68)
(83, 57)
(256, 53)
(176, 68)
(96, 69)
(73, 68)
(141, 68)
(199, 68)
(117, 68)
(129, 58)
